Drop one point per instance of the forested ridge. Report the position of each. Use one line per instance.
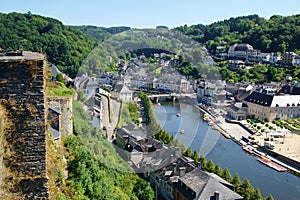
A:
(68, 46)
(64, 46)
(279, 33)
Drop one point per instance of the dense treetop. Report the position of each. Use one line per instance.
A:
(278, 33)
(96, 33)
(65, 46)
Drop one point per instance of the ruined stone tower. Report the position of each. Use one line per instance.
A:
(23, 145)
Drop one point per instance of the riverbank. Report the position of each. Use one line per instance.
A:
(286, 153)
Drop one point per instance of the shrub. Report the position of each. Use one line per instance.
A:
(60, 78)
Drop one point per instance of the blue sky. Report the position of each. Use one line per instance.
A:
(148, 14)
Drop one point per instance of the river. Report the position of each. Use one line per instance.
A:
(199, 136)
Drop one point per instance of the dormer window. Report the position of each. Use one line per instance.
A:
(288, 104)
(298, 104)
(277, 105)
(293, 104)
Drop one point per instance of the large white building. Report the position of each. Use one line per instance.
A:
(270, 107)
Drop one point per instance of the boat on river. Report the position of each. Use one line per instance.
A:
(267, 161)
(206, 117)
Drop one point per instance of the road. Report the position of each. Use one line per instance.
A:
(115, 109)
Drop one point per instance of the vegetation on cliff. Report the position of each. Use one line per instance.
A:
(95, 170)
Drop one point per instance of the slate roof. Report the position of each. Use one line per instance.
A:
(120, 88)
(273, 101)
(236, 106)
(205, 185)
(260, 98)
(288, 89)
(136, 132)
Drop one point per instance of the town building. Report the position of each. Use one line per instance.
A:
(173, 176)
(237, 111)
(198, 185)
(289, 58)
(212, 92)
(242, 51)
(122, 92)
(271, 107)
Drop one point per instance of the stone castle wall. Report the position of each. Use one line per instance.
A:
(22, 94)
(64, 105)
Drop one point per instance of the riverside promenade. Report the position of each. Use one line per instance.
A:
(287, 146)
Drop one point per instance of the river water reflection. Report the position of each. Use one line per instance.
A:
(199, 136)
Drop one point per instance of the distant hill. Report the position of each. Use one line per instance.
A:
(135, 42)
(279, 33)
(118, 29)
(97, 33)
(65, 46)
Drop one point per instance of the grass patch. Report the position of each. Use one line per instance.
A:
(56, 88)
(158, 70)
(129, 113)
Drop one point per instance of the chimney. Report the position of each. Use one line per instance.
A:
(171, 158)
(181, 171)
(217, 195)
(157, 153)
(174, 168)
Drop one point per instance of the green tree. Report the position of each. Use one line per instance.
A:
(210, 167)
(257, 195)
(143, 190)
(188, 153)
(236, 181)
(218, 170)
(246, 190)
(226, 175)
(203, 162)
(196, 157)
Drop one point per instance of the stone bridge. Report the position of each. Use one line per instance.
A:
(172, 96)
